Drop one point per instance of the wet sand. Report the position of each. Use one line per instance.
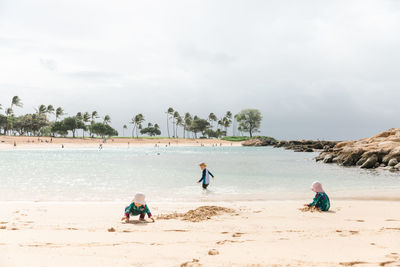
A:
(353, 233)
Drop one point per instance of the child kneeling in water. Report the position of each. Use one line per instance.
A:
(321, 199)
(137, 207)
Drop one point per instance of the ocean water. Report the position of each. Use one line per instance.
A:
(170, 174)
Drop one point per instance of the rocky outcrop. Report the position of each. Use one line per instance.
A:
(307, 145)
(382, 150)
(260, 141)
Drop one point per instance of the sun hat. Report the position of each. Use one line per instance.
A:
(140, 198)
(203, 164)
(317, 187)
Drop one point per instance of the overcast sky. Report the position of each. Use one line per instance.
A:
(315, 69)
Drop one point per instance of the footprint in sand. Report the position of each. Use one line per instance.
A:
(237, 234)
(193, 263)
(176, 230)
(352, 263)
(111, 230)
(224, 233)
(346, 233)
(3, 227)
(391, 220)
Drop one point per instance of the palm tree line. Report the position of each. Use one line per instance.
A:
(39, 123)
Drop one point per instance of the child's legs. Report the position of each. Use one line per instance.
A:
(142, 216)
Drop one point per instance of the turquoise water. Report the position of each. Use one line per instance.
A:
(170, 174)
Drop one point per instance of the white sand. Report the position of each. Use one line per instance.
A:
(262, 233)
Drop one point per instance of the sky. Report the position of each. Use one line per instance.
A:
(315, 69)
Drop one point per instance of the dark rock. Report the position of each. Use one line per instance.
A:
(370, 162)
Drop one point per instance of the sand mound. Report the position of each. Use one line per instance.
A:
(310, 209)
(197, 215)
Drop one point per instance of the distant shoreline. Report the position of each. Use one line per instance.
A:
(32, 142)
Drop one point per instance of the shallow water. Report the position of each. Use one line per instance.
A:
(170, 174)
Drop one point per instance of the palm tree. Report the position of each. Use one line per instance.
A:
(16, 101)
(50, 109)
(41, 110)
(169, 113)
(174, 122)
(59, 112)
(85, 119)
(79, 116)
(9, 112)
(187, 122)
(107, 119)
(123, 129)
(179, 122)
(212, 118)
(137, 123)
(94, 116)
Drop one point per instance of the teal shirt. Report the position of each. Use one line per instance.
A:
(133, 210)
(321, 200)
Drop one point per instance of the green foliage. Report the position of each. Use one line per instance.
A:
(235, 138)
(199, 125)
(151, 130)
(249, 120)
(102, 129)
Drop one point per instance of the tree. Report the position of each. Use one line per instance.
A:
(71, 124)
(102, 129)
(94, 116)
(16, 101)
(137, 124)
(175, 117)
(199, 125)
(187, 122)
(59, 128)
(41, 110)
(50, 109)
(123, 129)
(211, 118)
(169, 113)
(151, 130)
(249, 120)
(59, 113)
(107, 119)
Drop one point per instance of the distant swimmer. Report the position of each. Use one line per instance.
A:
(62, 145)
(205, 178)
(15, 144)
(100, 146)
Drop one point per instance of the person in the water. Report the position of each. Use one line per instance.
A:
(321, 199)
(205, 178)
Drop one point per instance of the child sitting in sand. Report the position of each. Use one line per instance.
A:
(137, 207)
(205, 175)
(321, 199)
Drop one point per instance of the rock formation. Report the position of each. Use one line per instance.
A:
(382, 150)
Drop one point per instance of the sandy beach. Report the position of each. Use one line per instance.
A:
(363, 233)
(25, 142)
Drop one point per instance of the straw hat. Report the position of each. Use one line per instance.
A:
(140, 198)
(203, 164)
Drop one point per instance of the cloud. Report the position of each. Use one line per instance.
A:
(315, 69)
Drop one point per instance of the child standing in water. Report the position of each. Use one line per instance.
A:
(137, 207)
(205, 175)
(321, 199)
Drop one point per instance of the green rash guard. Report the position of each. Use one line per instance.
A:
(321, 201)
(133, 210)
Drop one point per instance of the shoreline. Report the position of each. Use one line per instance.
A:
(26, 142)
(64, 234)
